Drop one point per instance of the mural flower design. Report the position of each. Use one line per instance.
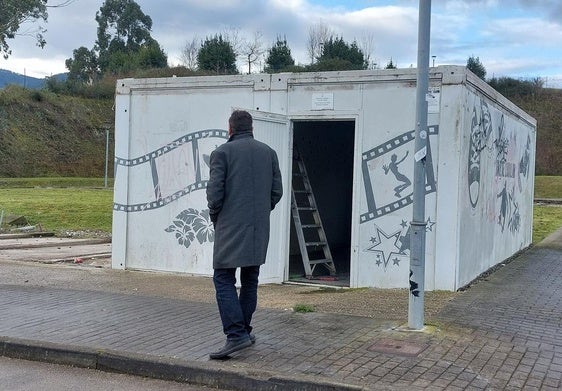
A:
(204, 227)
(191, 224)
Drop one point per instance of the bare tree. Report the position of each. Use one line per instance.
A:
(367, 46)
(189, 52)
(317, 35)
(253, 50)
(232, 36)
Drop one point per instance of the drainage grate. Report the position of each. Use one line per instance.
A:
(399, 348)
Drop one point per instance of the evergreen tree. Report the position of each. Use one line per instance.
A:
(124, 44)
(151, 55)
(279, 57)
(217, 55)
(339, 55)
(390, 65)
(124, 29)
(83, 67)
(474, 64)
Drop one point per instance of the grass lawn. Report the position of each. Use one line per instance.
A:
(546, 220)
(548, 187)
(76, 204)
(60, 209)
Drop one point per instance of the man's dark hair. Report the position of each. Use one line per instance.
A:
(240, 121)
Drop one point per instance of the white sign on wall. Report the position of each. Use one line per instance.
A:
(323, 101)
(433, 99)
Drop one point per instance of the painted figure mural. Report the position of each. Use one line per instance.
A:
(393, 167)
(480, 132)
(495, 157)
(388, 193)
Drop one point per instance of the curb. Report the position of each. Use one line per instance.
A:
(62, 242)
(555, 201)
(164, 368)
(72, 259)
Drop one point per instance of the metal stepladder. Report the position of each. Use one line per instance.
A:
(313, 244)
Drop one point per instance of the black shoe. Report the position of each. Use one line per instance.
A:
(253, 338)
(230, 347)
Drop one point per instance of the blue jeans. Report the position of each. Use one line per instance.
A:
(236, 310)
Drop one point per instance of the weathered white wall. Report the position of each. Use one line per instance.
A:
(386, 202)
(496, 182)
(384, 111)
(163, 143)
(159, 217)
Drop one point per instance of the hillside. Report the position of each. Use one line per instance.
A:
(545, 105)
(8, 77)
(45, 134)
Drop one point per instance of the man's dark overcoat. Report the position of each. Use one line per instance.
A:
(243, 188)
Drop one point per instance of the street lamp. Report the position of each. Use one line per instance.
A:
(433, 57)
(107, 126)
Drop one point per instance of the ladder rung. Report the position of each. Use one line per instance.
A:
(312, 247)
(317, 261)
(316, 243)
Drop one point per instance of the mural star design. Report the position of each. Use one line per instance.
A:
(386, 247)
(430, 224)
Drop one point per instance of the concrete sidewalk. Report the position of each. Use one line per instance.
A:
(505, 332)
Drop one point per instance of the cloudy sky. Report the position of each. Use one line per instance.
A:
(517, 38)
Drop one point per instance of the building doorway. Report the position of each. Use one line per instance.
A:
(327, 151)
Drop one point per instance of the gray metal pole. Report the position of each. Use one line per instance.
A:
(418, 224)
(106, 155)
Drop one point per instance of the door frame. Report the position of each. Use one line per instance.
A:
(354, 117)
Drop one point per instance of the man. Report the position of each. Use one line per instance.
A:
(244, 186)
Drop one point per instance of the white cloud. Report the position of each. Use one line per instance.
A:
(522, 31)
(507, 39)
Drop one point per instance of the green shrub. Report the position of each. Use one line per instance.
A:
(303, 308)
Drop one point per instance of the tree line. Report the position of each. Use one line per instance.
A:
(125, 47)
(124, 44)
(507, 86)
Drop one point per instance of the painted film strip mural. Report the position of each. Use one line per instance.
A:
(382, 171)
(176, 169)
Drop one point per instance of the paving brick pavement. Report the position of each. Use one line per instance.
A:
(502, 333)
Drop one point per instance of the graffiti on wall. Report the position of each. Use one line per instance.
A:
(509, 209)
(177, 168)
(403, 179)
(493, 139)
(192, 224)
(383, 159)
(388, 189)
(481, 128)
(392, 248)
(525, 160)
(387, 247)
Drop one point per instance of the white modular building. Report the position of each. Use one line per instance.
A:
(354, 133)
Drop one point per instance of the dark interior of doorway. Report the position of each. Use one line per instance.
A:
(327, 148)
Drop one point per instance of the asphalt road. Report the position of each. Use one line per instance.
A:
(21, 375)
